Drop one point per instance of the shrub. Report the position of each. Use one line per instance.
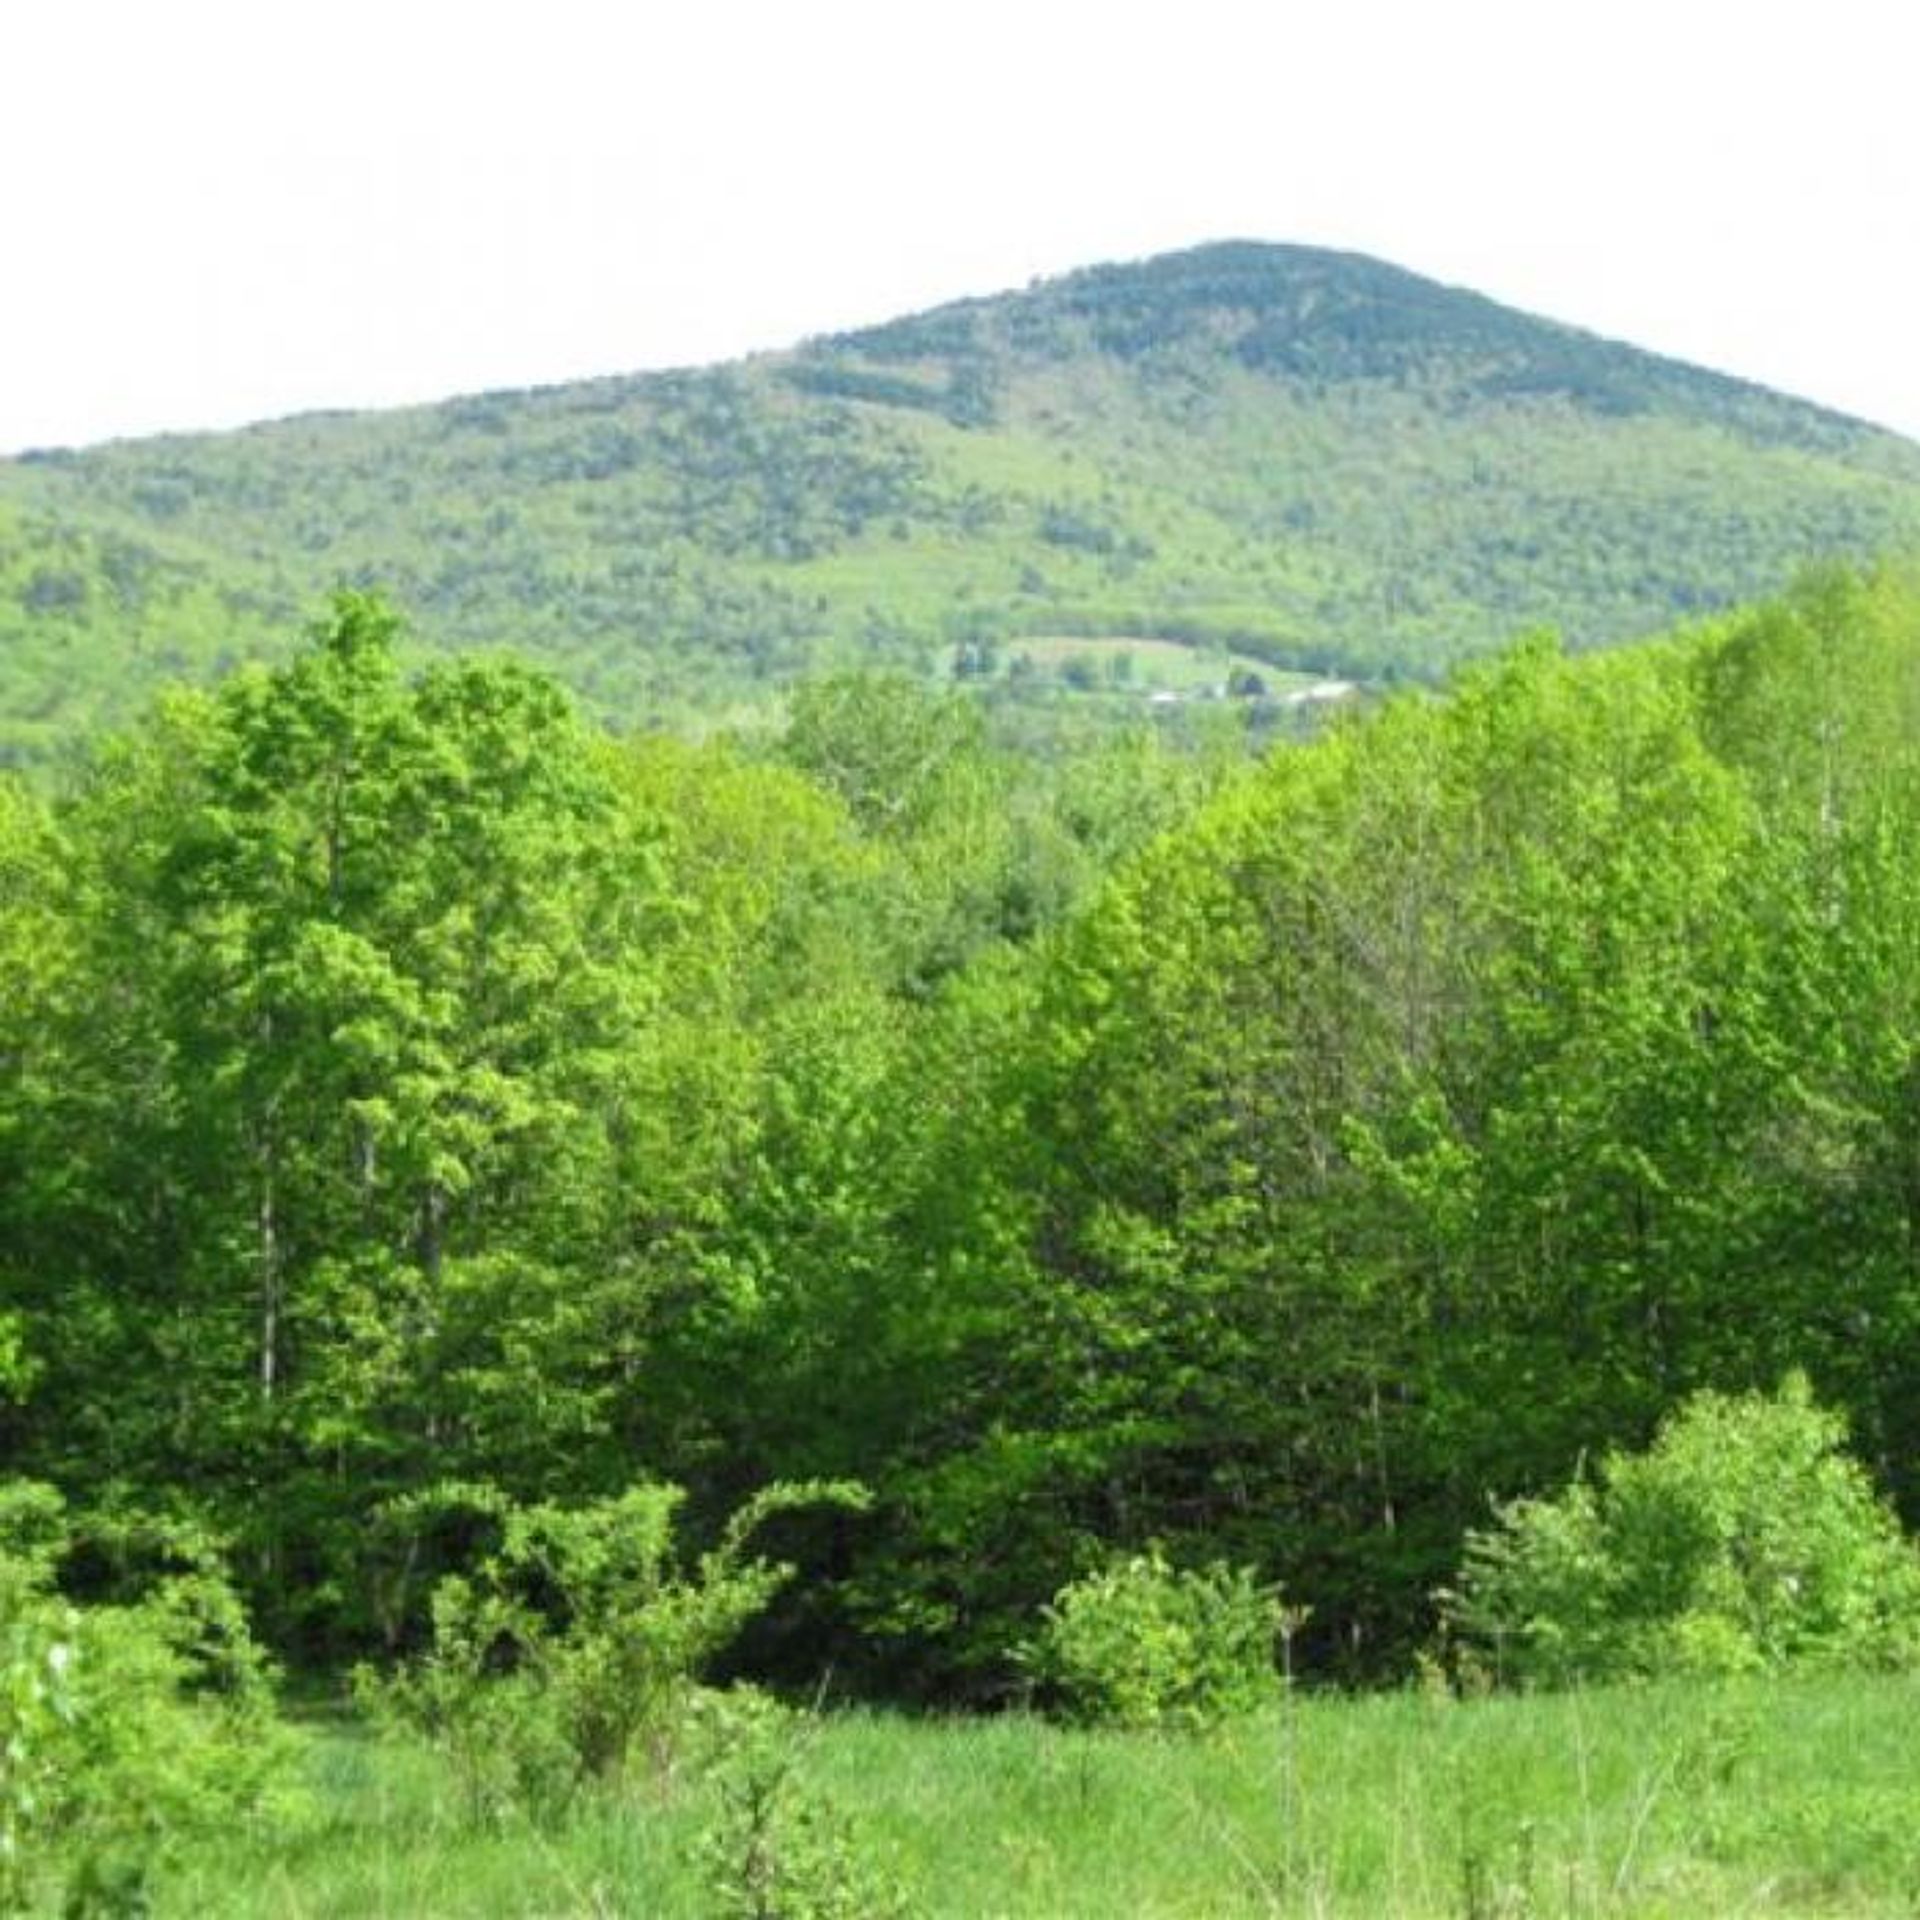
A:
(1743, 1540)
(579, 1642)
(1142, 1644)
(122, 1726)
(775, 1848)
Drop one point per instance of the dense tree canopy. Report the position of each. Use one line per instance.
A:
(411, 1100)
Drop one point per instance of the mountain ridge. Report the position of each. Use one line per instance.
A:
(62, 453)
(1315, 457)
(1242, 262)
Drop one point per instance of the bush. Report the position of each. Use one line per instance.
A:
(1743, 1540)
(775, 1847)
(1142, 1644)
(122, 1726)
(579, 1643)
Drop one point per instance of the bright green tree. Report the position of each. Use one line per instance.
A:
(349, 1110)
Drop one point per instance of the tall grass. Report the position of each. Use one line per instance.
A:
(1681, 1800)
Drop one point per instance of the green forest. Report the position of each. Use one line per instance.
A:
(1104, 1104)
(1312, 459)
(541, 1215)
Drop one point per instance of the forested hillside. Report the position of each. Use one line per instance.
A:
(1314, 460)
(414, 1101)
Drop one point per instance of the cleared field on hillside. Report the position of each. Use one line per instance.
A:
(1171, 664)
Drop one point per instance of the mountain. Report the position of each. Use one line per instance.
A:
(1315, 459)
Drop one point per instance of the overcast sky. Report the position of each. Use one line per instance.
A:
(224, 210)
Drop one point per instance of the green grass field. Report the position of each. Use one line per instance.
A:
(1795, 1798)
(1149, 663)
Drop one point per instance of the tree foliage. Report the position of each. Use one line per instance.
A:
(1742, 1540)
(404, 1086)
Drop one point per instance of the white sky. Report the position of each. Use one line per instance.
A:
(220, 210)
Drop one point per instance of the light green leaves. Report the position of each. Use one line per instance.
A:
(1744, 1539)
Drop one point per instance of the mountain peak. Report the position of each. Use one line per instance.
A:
(1305, 457)
(1320, 316)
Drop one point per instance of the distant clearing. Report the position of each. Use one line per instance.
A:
(1172, 664)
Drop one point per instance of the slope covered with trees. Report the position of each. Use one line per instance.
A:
(413, 1101)
(1317, 460)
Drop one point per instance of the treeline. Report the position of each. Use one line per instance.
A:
(410, 1099)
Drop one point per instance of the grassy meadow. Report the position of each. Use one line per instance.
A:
(1681, 1799)
(1142, 663)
